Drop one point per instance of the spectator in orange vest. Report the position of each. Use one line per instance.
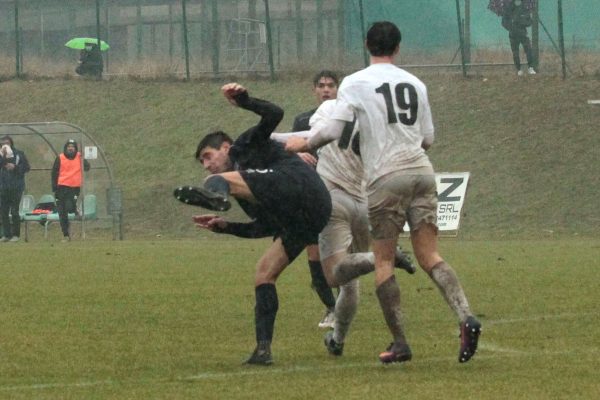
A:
(67, 178)
(13, 167)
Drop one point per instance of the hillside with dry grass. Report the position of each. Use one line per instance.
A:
(532, 145)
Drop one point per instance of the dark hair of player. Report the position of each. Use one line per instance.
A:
(214, 140)
(326, 74)
(383, 38)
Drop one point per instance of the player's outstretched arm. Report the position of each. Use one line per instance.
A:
(217, 224)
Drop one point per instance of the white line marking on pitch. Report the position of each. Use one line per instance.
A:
(254, 371)
(500, 352)
(534, 318)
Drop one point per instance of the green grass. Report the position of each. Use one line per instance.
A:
(531, 145)
(173, 319)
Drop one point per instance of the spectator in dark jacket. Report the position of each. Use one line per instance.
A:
(516, 19)
(67, 178)
(90, 61)
(13, 167)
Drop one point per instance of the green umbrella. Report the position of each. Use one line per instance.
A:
(80, 43)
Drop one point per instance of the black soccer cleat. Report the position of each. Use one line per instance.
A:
(199, 196)
(396, 353)
(403, 261)
(334, 348)
(260, 356)
(469, 336)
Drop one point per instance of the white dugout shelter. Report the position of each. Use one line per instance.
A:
(42, 142)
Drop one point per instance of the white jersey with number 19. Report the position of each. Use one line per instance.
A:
(394, 116)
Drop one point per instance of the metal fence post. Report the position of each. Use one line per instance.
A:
(561, 40)
(215, 37)
(535, 34)
(319, 29)
(139, 29)
(362, 32)
(299, 30)
(17, 40)
(467, 31)
(186, 47)
(171, 34)
(341, 15)
(461, 38)
(107, 31)
(98, 24)
(269, 40)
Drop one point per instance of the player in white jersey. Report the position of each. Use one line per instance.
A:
(325, 86)
(393, 111)
(341, 169)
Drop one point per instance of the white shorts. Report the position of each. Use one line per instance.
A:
(348, 227)
(397, 198)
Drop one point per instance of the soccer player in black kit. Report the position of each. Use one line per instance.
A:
(283, 195)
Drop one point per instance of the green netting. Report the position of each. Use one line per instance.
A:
(231, 36)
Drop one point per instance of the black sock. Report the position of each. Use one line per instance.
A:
(265, 311)
(320, 285)
(218, 184)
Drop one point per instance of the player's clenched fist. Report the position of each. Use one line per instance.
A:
(230, 90)
(296, 144)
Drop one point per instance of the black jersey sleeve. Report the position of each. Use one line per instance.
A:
(248, 230)
(270, 114)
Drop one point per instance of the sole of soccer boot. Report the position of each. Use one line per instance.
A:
(201, 197)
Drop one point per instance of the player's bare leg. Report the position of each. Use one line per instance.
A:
(268, 269)
(345, 309)
(345, 306)
(388, 294)
(424, 241)
(352, 266)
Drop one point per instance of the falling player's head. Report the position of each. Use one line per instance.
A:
(325, 85)
(383, 39)
(213, 152)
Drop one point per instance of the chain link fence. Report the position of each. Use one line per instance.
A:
(195, 38)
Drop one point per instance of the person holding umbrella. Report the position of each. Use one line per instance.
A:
(90, 57)
(90, 61)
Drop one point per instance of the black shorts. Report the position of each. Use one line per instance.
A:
(296, 200)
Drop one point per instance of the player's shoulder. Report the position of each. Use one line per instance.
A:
(327, 106)
(305, 114)
(301, 120)
(324, 111)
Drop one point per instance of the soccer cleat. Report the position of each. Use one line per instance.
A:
(520, 73)
(4, 239)
(199, 196)
(404, 262)
(260, 356)
(396, 353)
(469, 336)
(14, 239)
(328, 320)
(334, 348)
(531, 71)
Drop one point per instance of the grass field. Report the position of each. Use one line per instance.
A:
(174, 319)
(168, 314)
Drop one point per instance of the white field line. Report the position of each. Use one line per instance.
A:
(261, 371)
(535, 318)
(257, 370)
